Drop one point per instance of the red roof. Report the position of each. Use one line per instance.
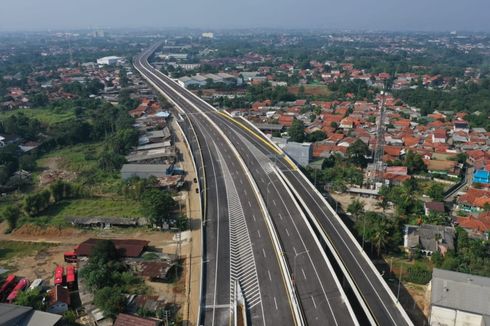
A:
(130, 320)
(126, 247)
(286, 120)
(479, 223)
(475, 197)
(410, 141)
(393, 150)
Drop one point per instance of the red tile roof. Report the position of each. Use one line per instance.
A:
(475, 197)
(393, 150)
(479, 223)
(130, 320)
(286, 120)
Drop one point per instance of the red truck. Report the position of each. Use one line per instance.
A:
(23, 283)
(7, 286)
(58, 275)
(71, 276)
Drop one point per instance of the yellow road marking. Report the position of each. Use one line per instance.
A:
(259, 137)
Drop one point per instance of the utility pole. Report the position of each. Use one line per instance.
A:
(399, 283)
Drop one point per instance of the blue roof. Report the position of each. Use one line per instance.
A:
(481, 174)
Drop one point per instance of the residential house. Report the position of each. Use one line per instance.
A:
(58, 300)
(429, 238)
(476, 225)
(439, 136)
(474, 200)
(436, 207)
(461, 125)
(459, 299)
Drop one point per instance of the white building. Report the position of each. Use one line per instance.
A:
(207, 35)
(110, 60)
(459, 299)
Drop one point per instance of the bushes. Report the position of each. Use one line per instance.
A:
(418, 274)
(36, 203)
(11, 214)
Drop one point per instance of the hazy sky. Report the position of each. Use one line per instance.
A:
(419, 15)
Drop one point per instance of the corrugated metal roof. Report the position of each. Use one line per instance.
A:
(126, 247)
(461, 291)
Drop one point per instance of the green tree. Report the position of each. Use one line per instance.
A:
(414, 163)
(110, 161)
(27, 162)
(103, 267)
(157, 206)
(30, 298)
(11, 214)
(356, 208)
(315, 136)
(297, 131)
(383, 204)
(357, 153)
(110, 300)
(37, 202)
(436, 191)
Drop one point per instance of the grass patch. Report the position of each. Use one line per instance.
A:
(107, 207)
(48, 116)
(12, 249)
(76, 158)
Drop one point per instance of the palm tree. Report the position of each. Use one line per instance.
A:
(383, 204)
(380, 235)
(356, 208)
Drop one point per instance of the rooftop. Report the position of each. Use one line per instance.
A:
(461, 291)
(126, 247)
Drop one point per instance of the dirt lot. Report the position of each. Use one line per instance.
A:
(369, 203)
(313, 90)
(53, 172)
(41, 263)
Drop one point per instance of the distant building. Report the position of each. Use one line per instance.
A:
(110, 60)
(301, 153)
(144, 171)
(207, 35)
(459, 299)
